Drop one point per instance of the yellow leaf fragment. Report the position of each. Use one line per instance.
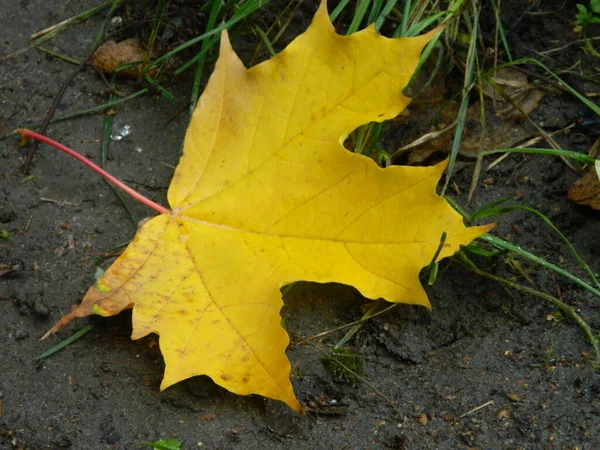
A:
(265, 195)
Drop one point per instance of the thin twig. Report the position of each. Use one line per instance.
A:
(348, 325)
(352, 331)
(46, 122)
(477, 408)
(528, 143)
(564, 47)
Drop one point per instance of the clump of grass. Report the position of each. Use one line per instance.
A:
(585, 18)
(345, 365)
(165, 444)
(3, 233)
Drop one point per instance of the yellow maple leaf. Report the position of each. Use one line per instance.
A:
(266, 195)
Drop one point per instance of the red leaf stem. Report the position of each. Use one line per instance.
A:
(28, 134)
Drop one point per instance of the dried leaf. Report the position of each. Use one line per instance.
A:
(502, 128)
(586, 190)
(515, 85)
(111, 55)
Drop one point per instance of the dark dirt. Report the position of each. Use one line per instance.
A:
(425, 372)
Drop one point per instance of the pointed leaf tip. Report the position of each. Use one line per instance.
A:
(225, 44)
(322, 16)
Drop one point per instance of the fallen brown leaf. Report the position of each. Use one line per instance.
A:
(586, 190)
(111, 55)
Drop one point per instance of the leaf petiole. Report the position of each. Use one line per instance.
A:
(28, 134)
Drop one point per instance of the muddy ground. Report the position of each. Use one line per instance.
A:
(425, 372)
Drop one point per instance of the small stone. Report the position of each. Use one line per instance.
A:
(41, 310)
(513, 397)
(21, 334)
(7, 215)
(111, 438)
(63, 441)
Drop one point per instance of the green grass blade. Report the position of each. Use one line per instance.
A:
(464, 104)
(359, 14)
(338, 9)
(569, 311)
(86, 112)
(60, 56)
(375, 11)
(95, 109)
(265, 40)
(245, 10)
(206, 45)
(160, 10)
(502, 244)
(101, 32)
(491, 205)
(423, 58)
(3, 233)
(385, 12)
(405, 15)
(493, 212)
(580, 157)
(501, 30)
(66, 342)
(419, 27)
(433, 265)
(85, 15)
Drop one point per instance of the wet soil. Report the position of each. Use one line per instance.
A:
(487, 368)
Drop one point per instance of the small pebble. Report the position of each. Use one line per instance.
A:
(7, 214)
(21, 334)
(41, 310)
